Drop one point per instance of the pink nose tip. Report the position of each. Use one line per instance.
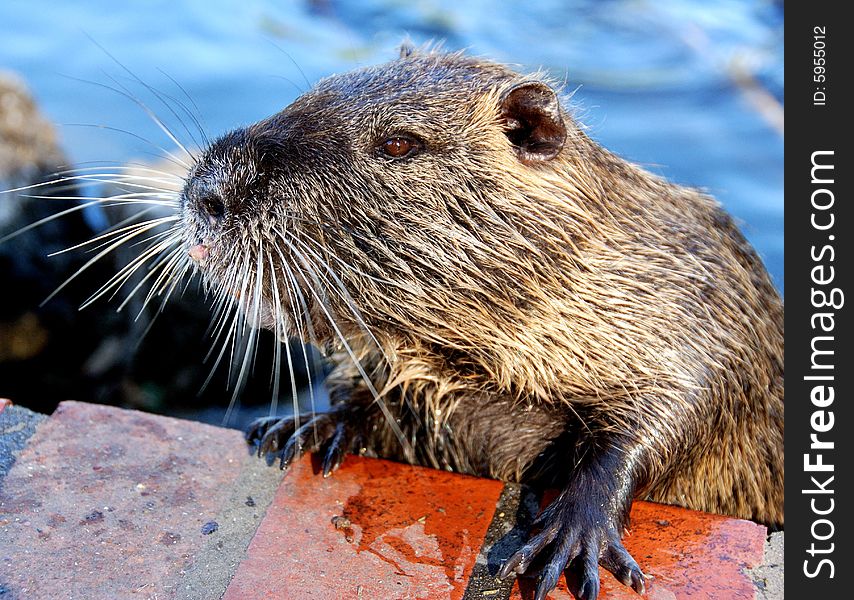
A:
(199, 253)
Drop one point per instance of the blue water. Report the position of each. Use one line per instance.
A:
(652, 80)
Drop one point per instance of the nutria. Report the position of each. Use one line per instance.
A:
(502, 297)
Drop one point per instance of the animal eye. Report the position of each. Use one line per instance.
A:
(399, 146)
(213, 207)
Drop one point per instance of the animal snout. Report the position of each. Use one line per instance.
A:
(199, 253)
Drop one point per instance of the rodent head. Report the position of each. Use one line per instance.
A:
(383, 197)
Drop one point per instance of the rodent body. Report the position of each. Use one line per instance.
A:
(525, 305)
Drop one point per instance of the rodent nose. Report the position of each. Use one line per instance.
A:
(213, 207)
(199, 253)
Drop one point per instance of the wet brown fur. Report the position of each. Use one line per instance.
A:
(505, 309)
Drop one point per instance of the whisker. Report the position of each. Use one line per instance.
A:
(225, 345)
(294, 394)
(392, 423)
(166, 154)
(277, 341)
(72, 178)
(96, 258)
(118, 200)
(298, 322)
(41, 184)
(119, 167)
(46, 220)
(249, 353)
(153, 116)
(347, 265)
(351, 305)
(229, 307)
(301, 321)
(345, 295)
(164, 264)
(117, 281)
(291, 58)
(113, 232)
(224, 304)
(122, 91)
(138, 102)
(196, 117)
(174, 271)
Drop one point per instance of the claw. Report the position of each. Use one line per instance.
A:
(511, 565)
(293, 449)
(258, 427)
(297, 443)
(291, 437)
(638, 581)
(521, 560)
(268, 433)
(575, 537)
(619, 562)
(589, 589)
(567, 549)
(337, 448)
(270, 442)
(548, 580)
(582, 576)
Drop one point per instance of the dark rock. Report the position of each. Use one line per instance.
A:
(42, 348)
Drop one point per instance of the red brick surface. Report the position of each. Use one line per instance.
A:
(108, 503)
(685, 554)
(410, 533)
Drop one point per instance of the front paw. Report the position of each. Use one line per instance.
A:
(575, 538)
(290, 437)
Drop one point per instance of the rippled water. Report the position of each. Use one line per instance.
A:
(689, 89)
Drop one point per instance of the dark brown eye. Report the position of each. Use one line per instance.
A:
(399, 146)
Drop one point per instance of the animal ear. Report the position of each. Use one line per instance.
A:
(533, 121)
(407, 48)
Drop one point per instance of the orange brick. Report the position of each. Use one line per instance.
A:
(685, 554)
(412, 533)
